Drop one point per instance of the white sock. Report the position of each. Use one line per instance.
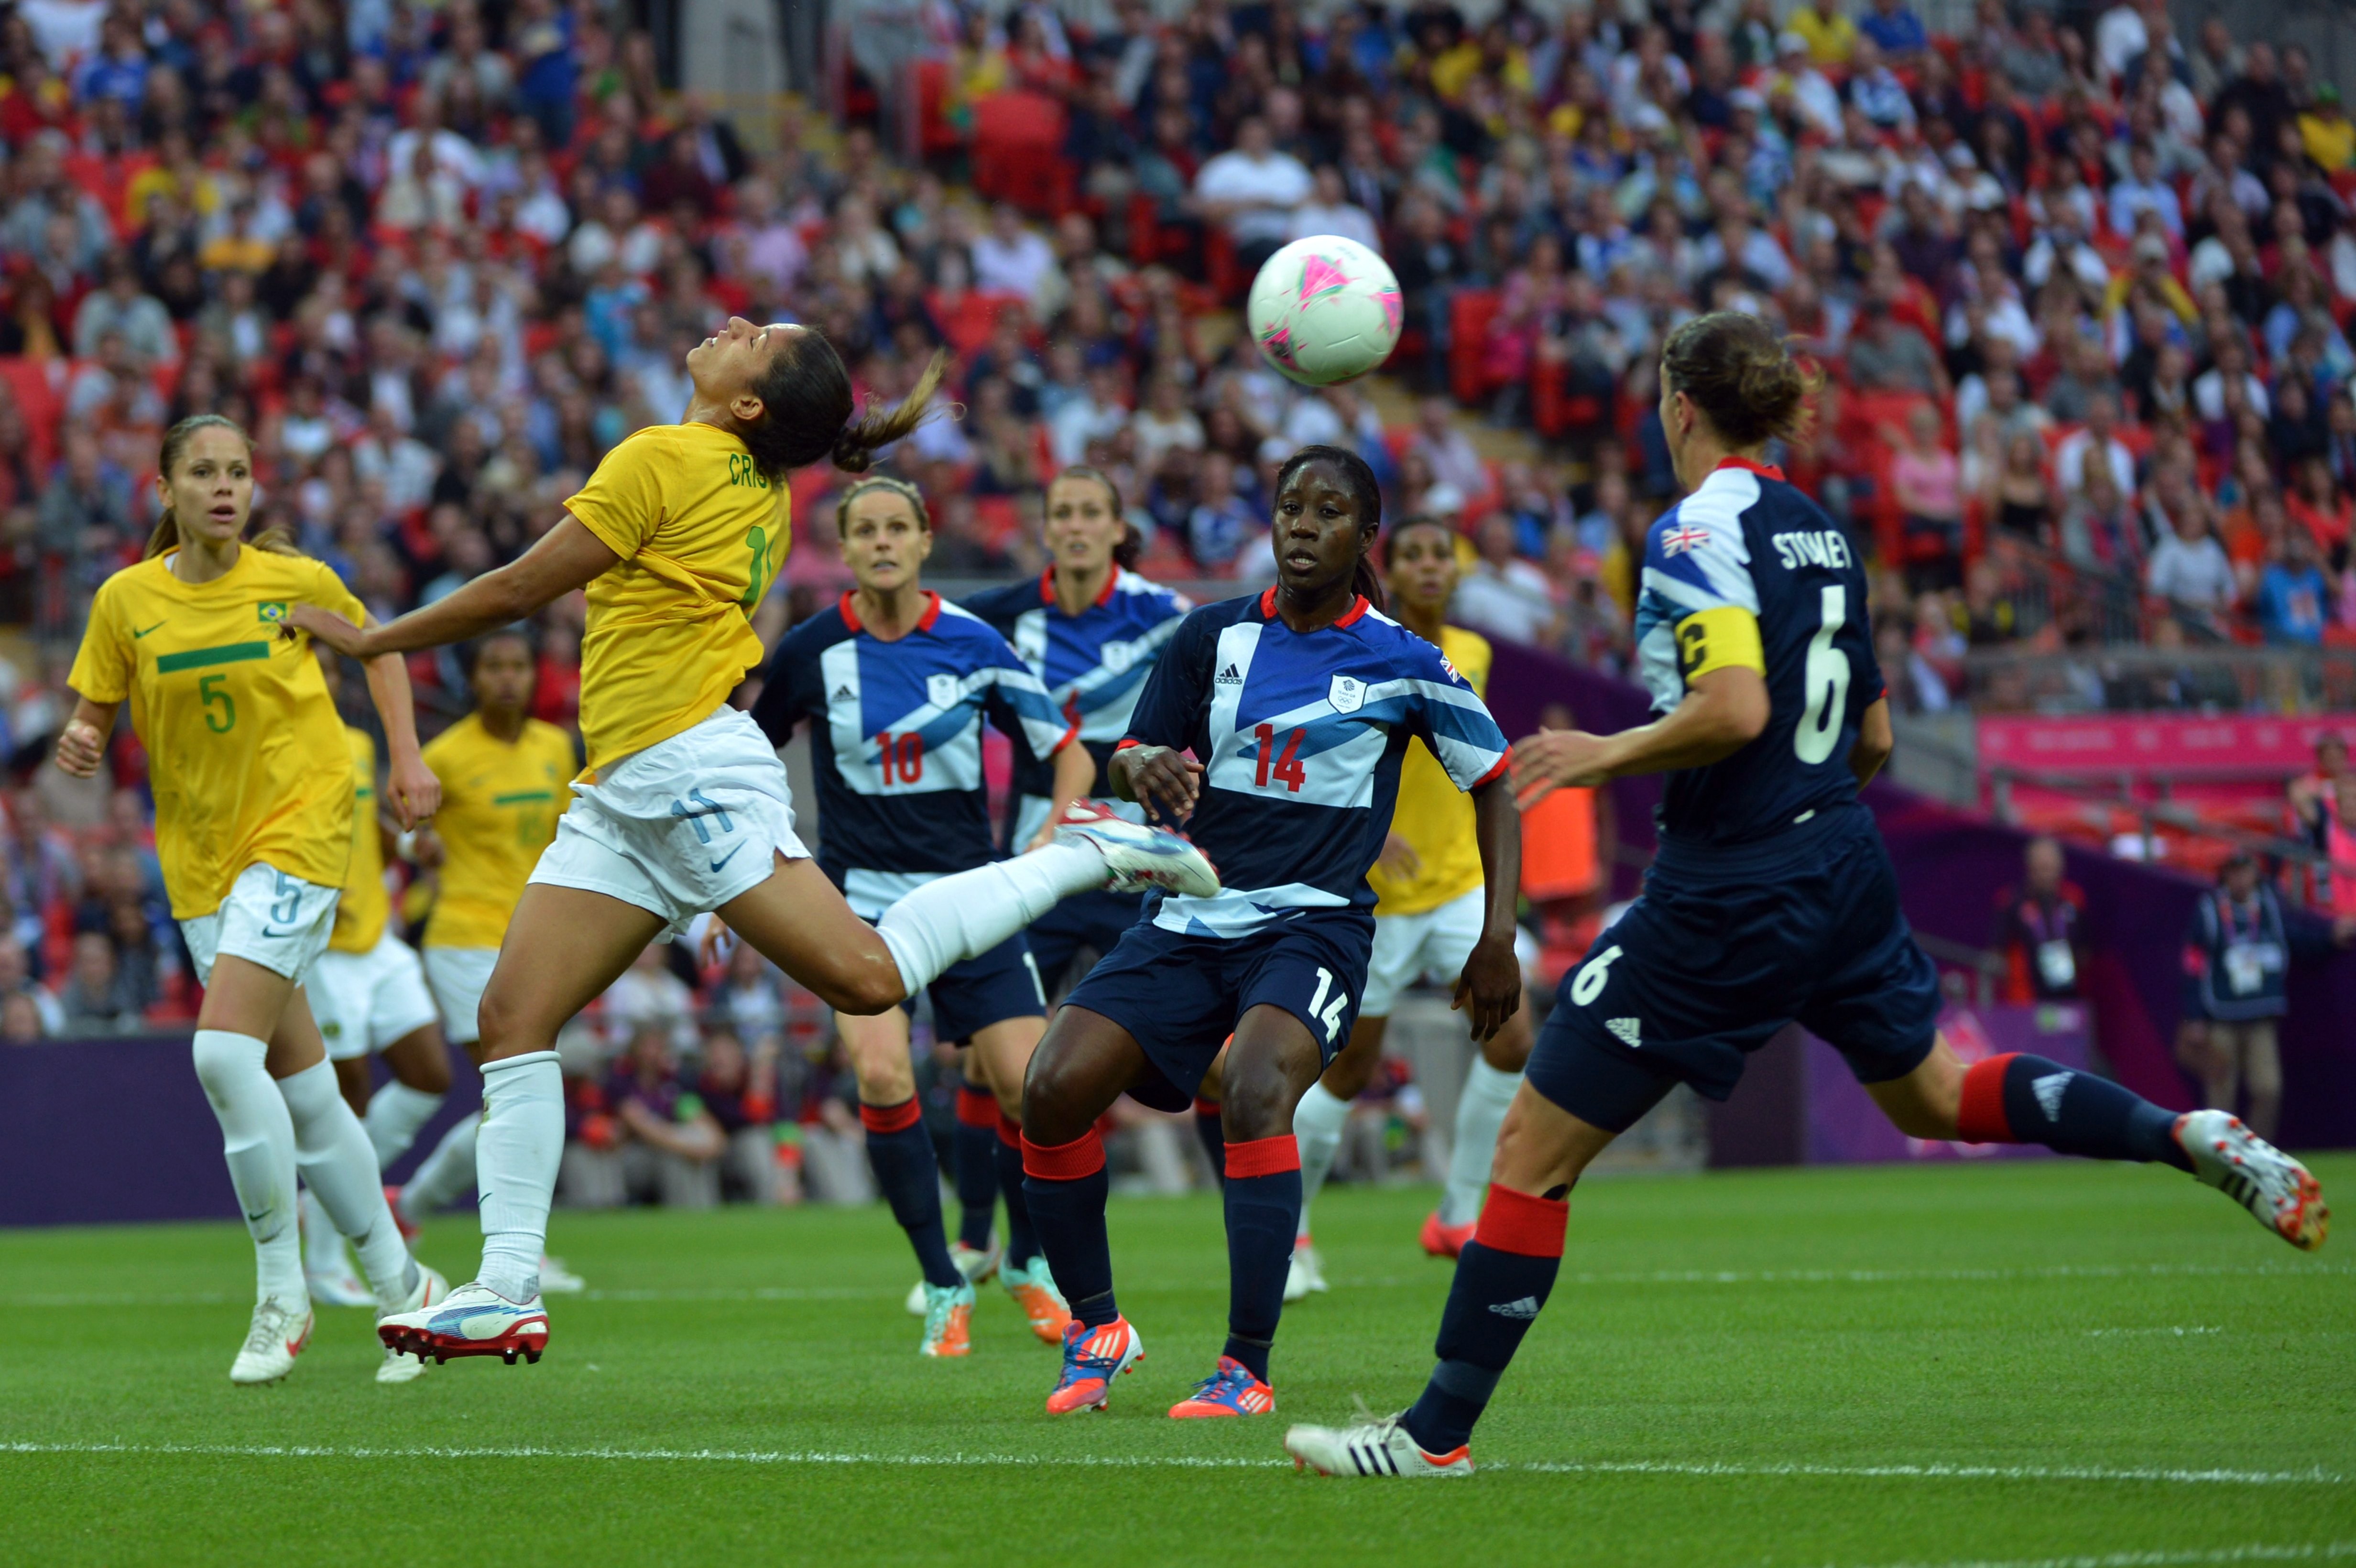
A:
(338, 1164)
(445, 1173)
(258, 1141)
(962, 916)
(323, 1244)
(1480, 1111)
(395, 1112)
(519, 1147)
(1317, 1123)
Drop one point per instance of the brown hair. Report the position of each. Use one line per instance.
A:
(1740, 375)
(806, 411)
(1131, 547)
(166, 536)
(899, 487)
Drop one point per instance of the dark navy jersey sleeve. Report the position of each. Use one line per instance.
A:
(1171, 710)
(1747, 556)
(789, 687)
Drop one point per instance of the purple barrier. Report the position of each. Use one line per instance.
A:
(1951, 866)
(95, 1131)
(1845, 1125)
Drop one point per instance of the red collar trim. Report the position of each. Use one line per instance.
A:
(924, 621)
(1047, 587)
(1349, 616)
(1769, 469)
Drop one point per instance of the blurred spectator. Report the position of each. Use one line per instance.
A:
(98, 998)
(2041, 930)
(1252, 189)
(1503, 594)
(654, 1140)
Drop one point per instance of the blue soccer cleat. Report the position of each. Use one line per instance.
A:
(1230, 1391)
(1092, 1358)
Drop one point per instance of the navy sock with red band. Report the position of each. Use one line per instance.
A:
(1502, 1279)
(1066, 1186)
(1263, 1207)
(901, 1153)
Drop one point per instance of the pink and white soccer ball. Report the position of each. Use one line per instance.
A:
(1325, 309)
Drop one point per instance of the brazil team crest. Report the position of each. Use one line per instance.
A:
(1346, 693)
(271, 609)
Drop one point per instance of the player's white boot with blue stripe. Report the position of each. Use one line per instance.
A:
(1138, 855)
(474, 1320)
(1370, 1448)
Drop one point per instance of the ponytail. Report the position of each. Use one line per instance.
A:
(805, 407)
(1369, 583)
(275, 537)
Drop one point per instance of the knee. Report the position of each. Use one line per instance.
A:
(1353, 1071)
(428, 1072)
(1052, 1108)
(223, 1060)
(1257, 1102)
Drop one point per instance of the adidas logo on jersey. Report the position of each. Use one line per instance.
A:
(1520, 1311)
(843, 694)
(2048, 1091)
(1231, 676)
(1629, 1031)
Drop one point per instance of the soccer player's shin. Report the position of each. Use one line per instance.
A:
(1006, 1151)
(394, 1113)
(2021, 1099)
(974, 1147)
(1263, 1210)
(1317, 1123)
(336, 1163)
(518, 1150)
(956, 917)
(258, 1141)
(909, 1175)
(1065, 1185)
(1480, 1111)
(1502, 1279)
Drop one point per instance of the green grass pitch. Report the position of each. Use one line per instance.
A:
(2053, 1362)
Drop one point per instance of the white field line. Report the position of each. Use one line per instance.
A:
(2331, 1551)
(1385, 1282)
(1194, 1462)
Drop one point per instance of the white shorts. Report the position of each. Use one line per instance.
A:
(683, 826)
(279, 922)
(458, 976)
(1431, 946)
(365, 1001)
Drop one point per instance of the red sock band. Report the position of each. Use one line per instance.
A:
(1980, 1119)
(977, 1107)
(1084, 1155)
(1206, 1107)
(1263, 1157)
(1009, 1131)
(1515, 1221)
(890, 1118)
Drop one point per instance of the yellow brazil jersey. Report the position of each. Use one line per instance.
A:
(245, 751)
(362, 912)
(500, 801)
(1433, 815)
(701, 534)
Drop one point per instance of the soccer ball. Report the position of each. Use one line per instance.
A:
(1325, 309)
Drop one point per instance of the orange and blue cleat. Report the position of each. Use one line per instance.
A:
(1230, 1391)
(1442, 1239)
(1092, 1358)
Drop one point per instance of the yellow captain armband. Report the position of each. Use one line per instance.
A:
(1723, 638)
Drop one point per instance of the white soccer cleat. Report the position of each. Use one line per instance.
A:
(555, 1279)
(277, 1335)
(397, 1368)
(1139, 856)
(473, 1320)
(1306, 1273)
(2282, 1193)
(977, 1265)
(1370, 1448)
(338, 1286)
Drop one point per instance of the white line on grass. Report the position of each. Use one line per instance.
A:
(2254, 1553)
(1197, 1462)
(1385, 1282)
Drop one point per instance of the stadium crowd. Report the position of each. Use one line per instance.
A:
(2078, 287)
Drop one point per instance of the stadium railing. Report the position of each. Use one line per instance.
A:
(2128, 678)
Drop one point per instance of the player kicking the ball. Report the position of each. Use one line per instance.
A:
(683, 807)
(1772, 900)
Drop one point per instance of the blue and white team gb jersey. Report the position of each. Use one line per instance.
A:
(1748, 571)
(1300, 739)
(1093, 665)
(895, 739)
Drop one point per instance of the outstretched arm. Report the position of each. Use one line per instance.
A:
(1723, 711)
(415, 793)
(1490, 986)
(567, 557)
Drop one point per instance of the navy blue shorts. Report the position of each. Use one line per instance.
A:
(1096, 921)
(1723, 950)
(969, 997)
(1179, 997)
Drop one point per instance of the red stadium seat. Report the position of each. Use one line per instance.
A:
(1018, 142)
(1470, 311)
